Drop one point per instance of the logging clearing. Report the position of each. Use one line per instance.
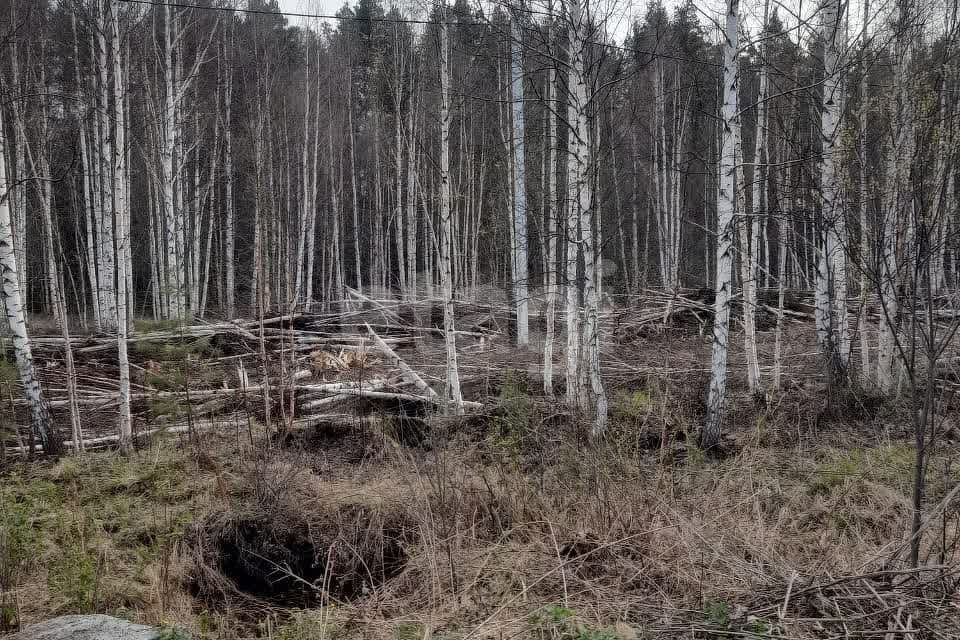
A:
(448, 321)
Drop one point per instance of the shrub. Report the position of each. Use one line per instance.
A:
(165, 378)
(163, 407)
(172, 633)
(633, 405)
(717, 612)
(516, 410)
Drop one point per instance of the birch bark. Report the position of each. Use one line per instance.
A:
(520, 274)
(122, 231)
(550, 197)
(229, 240)
(726, 205)
(17, 318)
(446, 229)
(832, 274)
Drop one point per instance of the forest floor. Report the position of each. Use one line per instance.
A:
(388, 520)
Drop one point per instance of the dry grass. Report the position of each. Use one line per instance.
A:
(491, 537)
(483, 535)
(510, 524)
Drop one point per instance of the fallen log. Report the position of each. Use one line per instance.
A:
(198, 394)
(405, 369)
(372, 385)
(408, 397)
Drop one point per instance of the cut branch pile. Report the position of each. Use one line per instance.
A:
(296, 366)
(290, 369)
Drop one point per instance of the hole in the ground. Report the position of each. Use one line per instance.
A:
(343, 554)
(339, 440)
(404, 420)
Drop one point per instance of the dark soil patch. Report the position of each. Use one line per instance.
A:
(298, 558)
(335, 440)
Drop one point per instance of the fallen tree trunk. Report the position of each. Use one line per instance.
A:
(397, 361)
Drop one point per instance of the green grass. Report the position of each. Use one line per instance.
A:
(310, 624)
(94, 529)
(410, 631)
(556, 622)
(888, 464)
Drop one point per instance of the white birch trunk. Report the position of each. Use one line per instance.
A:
(897, 217)
(748, 281)
(353, 187)
(867, 262)
(122, 233)
(575, 181)
(583, 216)
(16, 315)
(832, 274)
(312, 193)
(520, 274)
(335, 202)
(781, 294)
(759, 212)
(550, 197)
(107, 276)
(412, 223)
(446, 229)
(19, 196)
(726, 204)
(172, 212)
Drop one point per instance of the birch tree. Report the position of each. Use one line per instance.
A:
(40, 167)
(520, 275)
(897, 212)
(229, 236)
(122, 228)
(43, 428)
(583, 339)
(446, 227)
(552, 223)
(726, 206)
(750, 242)
(831, 287)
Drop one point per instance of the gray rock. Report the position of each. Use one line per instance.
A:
(92, 627)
